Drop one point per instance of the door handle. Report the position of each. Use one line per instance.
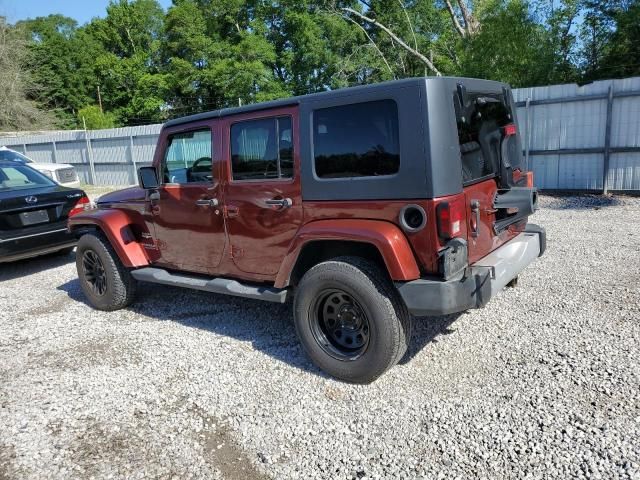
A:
(279, 202)
(207, 202)
(475, 226)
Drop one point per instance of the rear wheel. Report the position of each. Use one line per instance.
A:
(350, 319)
(105, 281)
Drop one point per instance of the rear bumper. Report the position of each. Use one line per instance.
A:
(479, 283)
(35, 244)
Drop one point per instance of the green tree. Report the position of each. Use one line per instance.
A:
(510, 47)
(62, 59)
(128, 71)
(218, 55)
(207, 54)
(621, 54)
(17, 110)
(94, 118)
(561, 39)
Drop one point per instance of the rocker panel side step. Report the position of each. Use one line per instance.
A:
(213, 285)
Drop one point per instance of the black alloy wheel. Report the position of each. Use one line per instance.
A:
(94, 272)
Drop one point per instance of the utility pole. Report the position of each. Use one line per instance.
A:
(100, 99)
(92, 168)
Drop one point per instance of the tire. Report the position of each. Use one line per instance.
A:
(368, 299)
(116, 289)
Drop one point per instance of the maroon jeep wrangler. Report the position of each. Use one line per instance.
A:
(366, 205)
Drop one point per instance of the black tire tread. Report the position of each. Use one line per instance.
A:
(371, 277)
(383, 284)
(123, 284)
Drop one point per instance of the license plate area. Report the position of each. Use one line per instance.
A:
(34, 218)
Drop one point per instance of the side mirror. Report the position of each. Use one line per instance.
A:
(148, 178)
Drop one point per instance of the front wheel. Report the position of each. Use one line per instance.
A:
(105, 281)
(350, 319)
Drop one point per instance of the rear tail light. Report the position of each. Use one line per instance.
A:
(450, 216)
(523, 178)
(529, 176)
(80, 206)
(510, 130)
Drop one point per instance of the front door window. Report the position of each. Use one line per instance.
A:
(188, 158)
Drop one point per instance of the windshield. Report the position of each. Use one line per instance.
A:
(20, 177)
(15, 156)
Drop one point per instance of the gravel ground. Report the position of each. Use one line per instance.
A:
(543, 383)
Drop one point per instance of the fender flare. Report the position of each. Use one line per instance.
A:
(386, 237)
(115, 226)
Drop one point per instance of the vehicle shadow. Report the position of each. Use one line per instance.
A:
(29, 266)
(267, 326)
(427, 330)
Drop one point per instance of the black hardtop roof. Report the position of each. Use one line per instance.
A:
(224, 112)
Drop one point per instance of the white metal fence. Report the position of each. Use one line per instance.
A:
(583, 138)
(575, 138)
(115, 154)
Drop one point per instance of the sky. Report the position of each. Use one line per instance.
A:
(81, 10)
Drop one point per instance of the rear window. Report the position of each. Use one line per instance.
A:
(15, 156)
(480, 134)
(358, 140)
(18, 177)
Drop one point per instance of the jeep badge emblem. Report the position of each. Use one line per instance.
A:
(31, 199)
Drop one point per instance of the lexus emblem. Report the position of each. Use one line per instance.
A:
(31, 199)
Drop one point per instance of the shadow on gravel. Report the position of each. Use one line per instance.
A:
(29, 266)
(267, 326)
(426, 330)
(578, 202)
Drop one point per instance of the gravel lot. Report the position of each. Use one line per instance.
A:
(543, 383)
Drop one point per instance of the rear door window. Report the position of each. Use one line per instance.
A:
(480, 134)
(357, 140)
(15, 156)
(262, 149)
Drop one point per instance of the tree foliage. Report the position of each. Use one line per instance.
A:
(17, 110)
(151, 64)
(94, 118)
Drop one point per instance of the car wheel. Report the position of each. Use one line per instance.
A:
(105, 281)
(350, 319)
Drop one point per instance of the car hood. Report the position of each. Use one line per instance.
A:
(130, 194)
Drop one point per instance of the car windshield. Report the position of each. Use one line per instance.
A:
(20, 177)
(15, 156)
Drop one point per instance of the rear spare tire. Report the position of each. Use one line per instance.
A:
(104, 280)
(350, 319)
